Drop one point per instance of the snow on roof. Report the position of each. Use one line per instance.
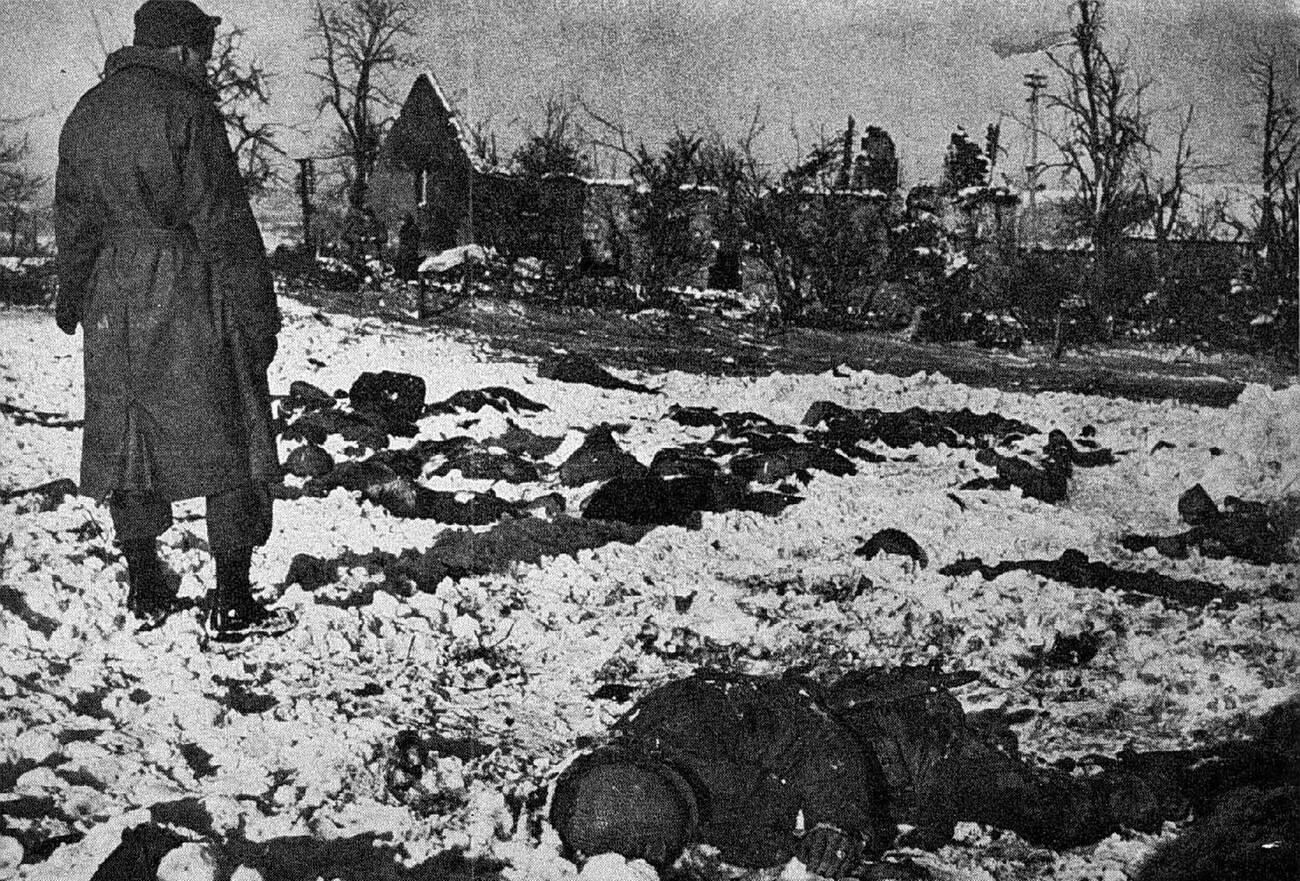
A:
(462, 133)
(814, 190)
(984, 191)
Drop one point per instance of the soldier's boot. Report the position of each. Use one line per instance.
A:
(234, 614)
(151, 588)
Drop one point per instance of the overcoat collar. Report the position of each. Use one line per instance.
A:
(160, 60)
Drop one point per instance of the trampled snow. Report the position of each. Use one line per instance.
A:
(107, 719)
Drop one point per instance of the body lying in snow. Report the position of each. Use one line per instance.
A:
(770, 768)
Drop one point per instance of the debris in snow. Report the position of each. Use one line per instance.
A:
(893, 541)
(676, 501)
(626, 605)
(1263, 533)
(482, 465)
(791, 459)
(24, 416)
(915, 425)
(497, 397)
(599, 459)
(461, 553)
(396, 398)
(584, 369)
(50, 493)
(317, 425)
(523, 442)
(1067, 650)
(14, 602)
(1050, 483)
(1074, 568)
(309, 460)
(305, 396)
(403, 497)
(695, 417)
(683, 462)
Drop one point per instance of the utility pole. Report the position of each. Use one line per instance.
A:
(306, 189)
(1035, 82)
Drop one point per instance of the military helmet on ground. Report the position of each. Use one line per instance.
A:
(612, 802)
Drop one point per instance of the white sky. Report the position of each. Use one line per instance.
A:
(918, 68)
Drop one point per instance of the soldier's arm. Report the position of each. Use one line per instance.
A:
(77, 225)
(841, 789)
(227, 232)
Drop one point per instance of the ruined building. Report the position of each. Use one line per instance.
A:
(876, 165)
(429, 168)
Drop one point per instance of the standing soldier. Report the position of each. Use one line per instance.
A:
(162, 263)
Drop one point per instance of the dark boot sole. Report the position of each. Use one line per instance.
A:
(278, 623)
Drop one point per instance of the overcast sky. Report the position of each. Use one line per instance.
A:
(918, 68)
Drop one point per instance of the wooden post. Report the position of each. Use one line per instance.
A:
(306, 189)
(1035, 82)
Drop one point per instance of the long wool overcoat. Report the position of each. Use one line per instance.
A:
(160, 257)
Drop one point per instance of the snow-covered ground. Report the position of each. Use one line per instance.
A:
(108, 719)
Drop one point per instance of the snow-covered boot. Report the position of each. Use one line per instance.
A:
(233, 612)
(150, 593)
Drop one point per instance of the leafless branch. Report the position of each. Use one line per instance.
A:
(360, 44)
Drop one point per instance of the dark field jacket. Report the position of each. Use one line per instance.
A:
(759, 752)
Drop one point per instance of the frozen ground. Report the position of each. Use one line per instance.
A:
(284, 737)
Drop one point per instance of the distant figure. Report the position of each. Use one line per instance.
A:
(376, 234)
(162, 264)
(408, 249)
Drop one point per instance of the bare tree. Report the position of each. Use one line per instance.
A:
(665, 208)
(19, 186)
(558, 147)
(1105, 137)
(1275, 81)
(241, 87)
(359, 44)
(1165, 189)
(483, 143)
(1275, 89)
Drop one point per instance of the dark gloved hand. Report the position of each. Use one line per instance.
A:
(67, 314)
(829, 851)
